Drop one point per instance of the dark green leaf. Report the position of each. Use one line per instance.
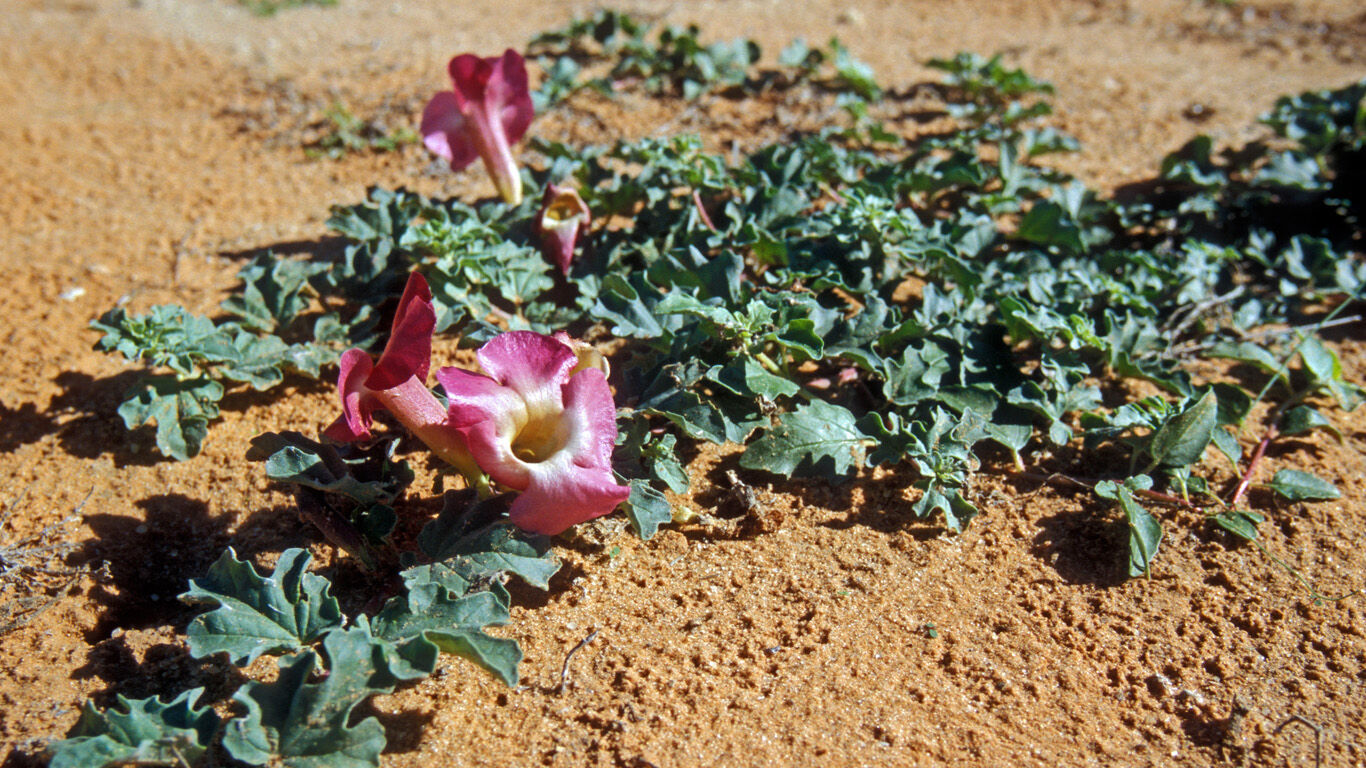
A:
(1302, 419)
(463, 539)
(1240, 523)
(1182, 440)
(647, 509)
(142, 731)
(818, 439)
(254, 615)
(1302, 486)
(1145, 533)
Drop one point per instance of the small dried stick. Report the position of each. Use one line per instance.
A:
(564, 670)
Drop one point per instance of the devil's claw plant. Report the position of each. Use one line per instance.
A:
(847, 297)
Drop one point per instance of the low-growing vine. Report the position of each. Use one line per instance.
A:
(852, 297)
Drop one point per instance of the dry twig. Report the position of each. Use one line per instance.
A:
(564, 671)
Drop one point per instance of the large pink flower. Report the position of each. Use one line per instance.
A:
(397, 383)
(487, 112)
(537, 425)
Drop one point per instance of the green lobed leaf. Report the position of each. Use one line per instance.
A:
(299, 724)
(818, 439)
(255, 615)
(142, 731)
(368, 480)
(647, 509)
(451, 623)
(181, 408)
(462, 539)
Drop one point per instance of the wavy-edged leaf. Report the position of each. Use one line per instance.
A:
(181, 408)
(255, 615)
(818, 439)
(142, 731)
(298, 724)
(452, 623)
(647, 509)
(462, 539)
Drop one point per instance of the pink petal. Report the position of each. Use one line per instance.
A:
(357, 403)
(509, 96)
(529, 363)
(487, 415)
(562, 494)
(445, 130)
(591, 418)
(408, 353)
(470, 75)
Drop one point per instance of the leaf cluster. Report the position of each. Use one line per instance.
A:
(343, 133)
(329, 663)
(268, 333)
(675, 61)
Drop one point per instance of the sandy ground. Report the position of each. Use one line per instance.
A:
(145, 148)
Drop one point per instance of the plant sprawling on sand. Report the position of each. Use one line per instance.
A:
(851, 297)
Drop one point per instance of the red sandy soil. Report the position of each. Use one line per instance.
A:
(149, 146)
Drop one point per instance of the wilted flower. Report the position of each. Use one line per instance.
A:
(486, 113)
(397, 383)
(539, 422)
(564, 217)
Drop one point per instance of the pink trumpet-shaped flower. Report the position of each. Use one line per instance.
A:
(564, 218)
(538, 422)
(487, 112)
(397, 383)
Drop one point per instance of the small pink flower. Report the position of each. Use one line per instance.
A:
(564, 218)
(487, 112)
(536, 425)
(397, 383)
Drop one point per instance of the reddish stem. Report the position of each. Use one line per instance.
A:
(702, 210)
(1252, 463)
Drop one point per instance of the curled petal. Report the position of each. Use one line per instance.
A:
(587, 354)
(488, 416)
(444, 131)
(509, 95)
(408, 353)
(533, 365)
(564, 217)
(358, 406)
(562, 493)
(590, 419)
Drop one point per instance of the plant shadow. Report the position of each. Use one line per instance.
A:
(85, 419)
(147, 561)
(1083, 546)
